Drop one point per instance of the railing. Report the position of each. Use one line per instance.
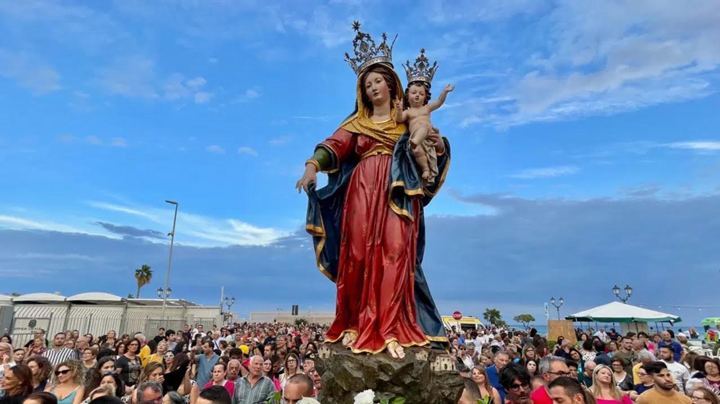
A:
(122, 324)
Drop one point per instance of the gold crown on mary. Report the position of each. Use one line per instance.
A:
(367, 53)
(421, 69)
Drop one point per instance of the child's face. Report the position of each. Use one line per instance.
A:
(417, 95)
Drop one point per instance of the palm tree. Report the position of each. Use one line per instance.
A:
(143, 277)
(492, 316)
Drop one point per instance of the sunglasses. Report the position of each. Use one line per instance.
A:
(62, 372)
(109, 373)
(169, 356)
(517, 387)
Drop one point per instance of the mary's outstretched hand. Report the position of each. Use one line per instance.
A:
(309, 177)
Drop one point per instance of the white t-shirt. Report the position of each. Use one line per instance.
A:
(602, 335)
(680, 373)
(468, 361)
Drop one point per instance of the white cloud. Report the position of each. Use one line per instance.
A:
(28, 72)
(250, 94)
(119, 142)
(175, 87)
(696, 145)
(280, 140)
(203, 97)
(122, 209)
(202, 230)
(452, 12)
(136, 78)
(197, 82)
(20, 223)
(324, 25)
(596, 58)
(215, 149)
(547, 172)
(129, 77)
(66, 138)
(92, 139)
(247, 150)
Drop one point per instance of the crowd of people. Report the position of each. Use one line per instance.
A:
(602, 367)
(259, 363)
(248, 363)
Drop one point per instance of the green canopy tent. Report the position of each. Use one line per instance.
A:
(711, 321)
(631, 318)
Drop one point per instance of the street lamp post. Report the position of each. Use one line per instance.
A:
(167, 273)
(561, 301)
(229, 303)
(628, 292)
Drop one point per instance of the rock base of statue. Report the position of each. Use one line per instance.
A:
(424, 376)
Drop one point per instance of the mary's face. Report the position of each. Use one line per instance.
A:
(376, 89)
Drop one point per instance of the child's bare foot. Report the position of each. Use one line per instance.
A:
(426, 174)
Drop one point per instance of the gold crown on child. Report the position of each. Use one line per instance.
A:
(421, 70)
(367, 53)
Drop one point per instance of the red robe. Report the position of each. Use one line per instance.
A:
(375, 292)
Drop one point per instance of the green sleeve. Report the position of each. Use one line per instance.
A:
(323, 158)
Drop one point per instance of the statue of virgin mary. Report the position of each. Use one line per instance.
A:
(368, 222)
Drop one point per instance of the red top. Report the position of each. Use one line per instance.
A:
(540, 396)
(229, 386)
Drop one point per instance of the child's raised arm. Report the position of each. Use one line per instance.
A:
(399, 111)
(441, 99)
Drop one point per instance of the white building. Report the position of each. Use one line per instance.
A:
(97, 313)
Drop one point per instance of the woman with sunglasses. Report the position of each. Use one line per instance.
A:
(168, 358)
(175, 371)
(67, 385)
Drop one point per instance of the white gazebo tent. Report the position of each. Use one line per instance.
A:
(630, 318)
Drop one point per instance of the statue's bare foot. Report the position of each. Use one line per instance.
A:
(426, 175)
(349, 339)
(395, 350)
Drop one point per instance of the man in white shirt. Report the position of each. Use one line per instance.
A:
(464, 357)
(678, 371)
(602, 335)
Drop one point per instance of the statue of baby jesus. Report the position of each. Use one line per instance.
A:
(417, 116)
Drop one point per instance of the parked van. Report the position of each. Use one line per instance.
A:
(464, 324)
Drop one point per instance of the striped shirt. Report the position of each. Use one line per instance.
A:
(57, 357)
(260, 393)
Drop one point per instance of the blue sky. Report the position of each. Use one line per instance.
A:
(584, 135)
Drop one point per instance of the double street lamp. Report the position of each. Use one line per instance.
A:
(628, 293)
(229, 302)
(167, 290)
(557, 306)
